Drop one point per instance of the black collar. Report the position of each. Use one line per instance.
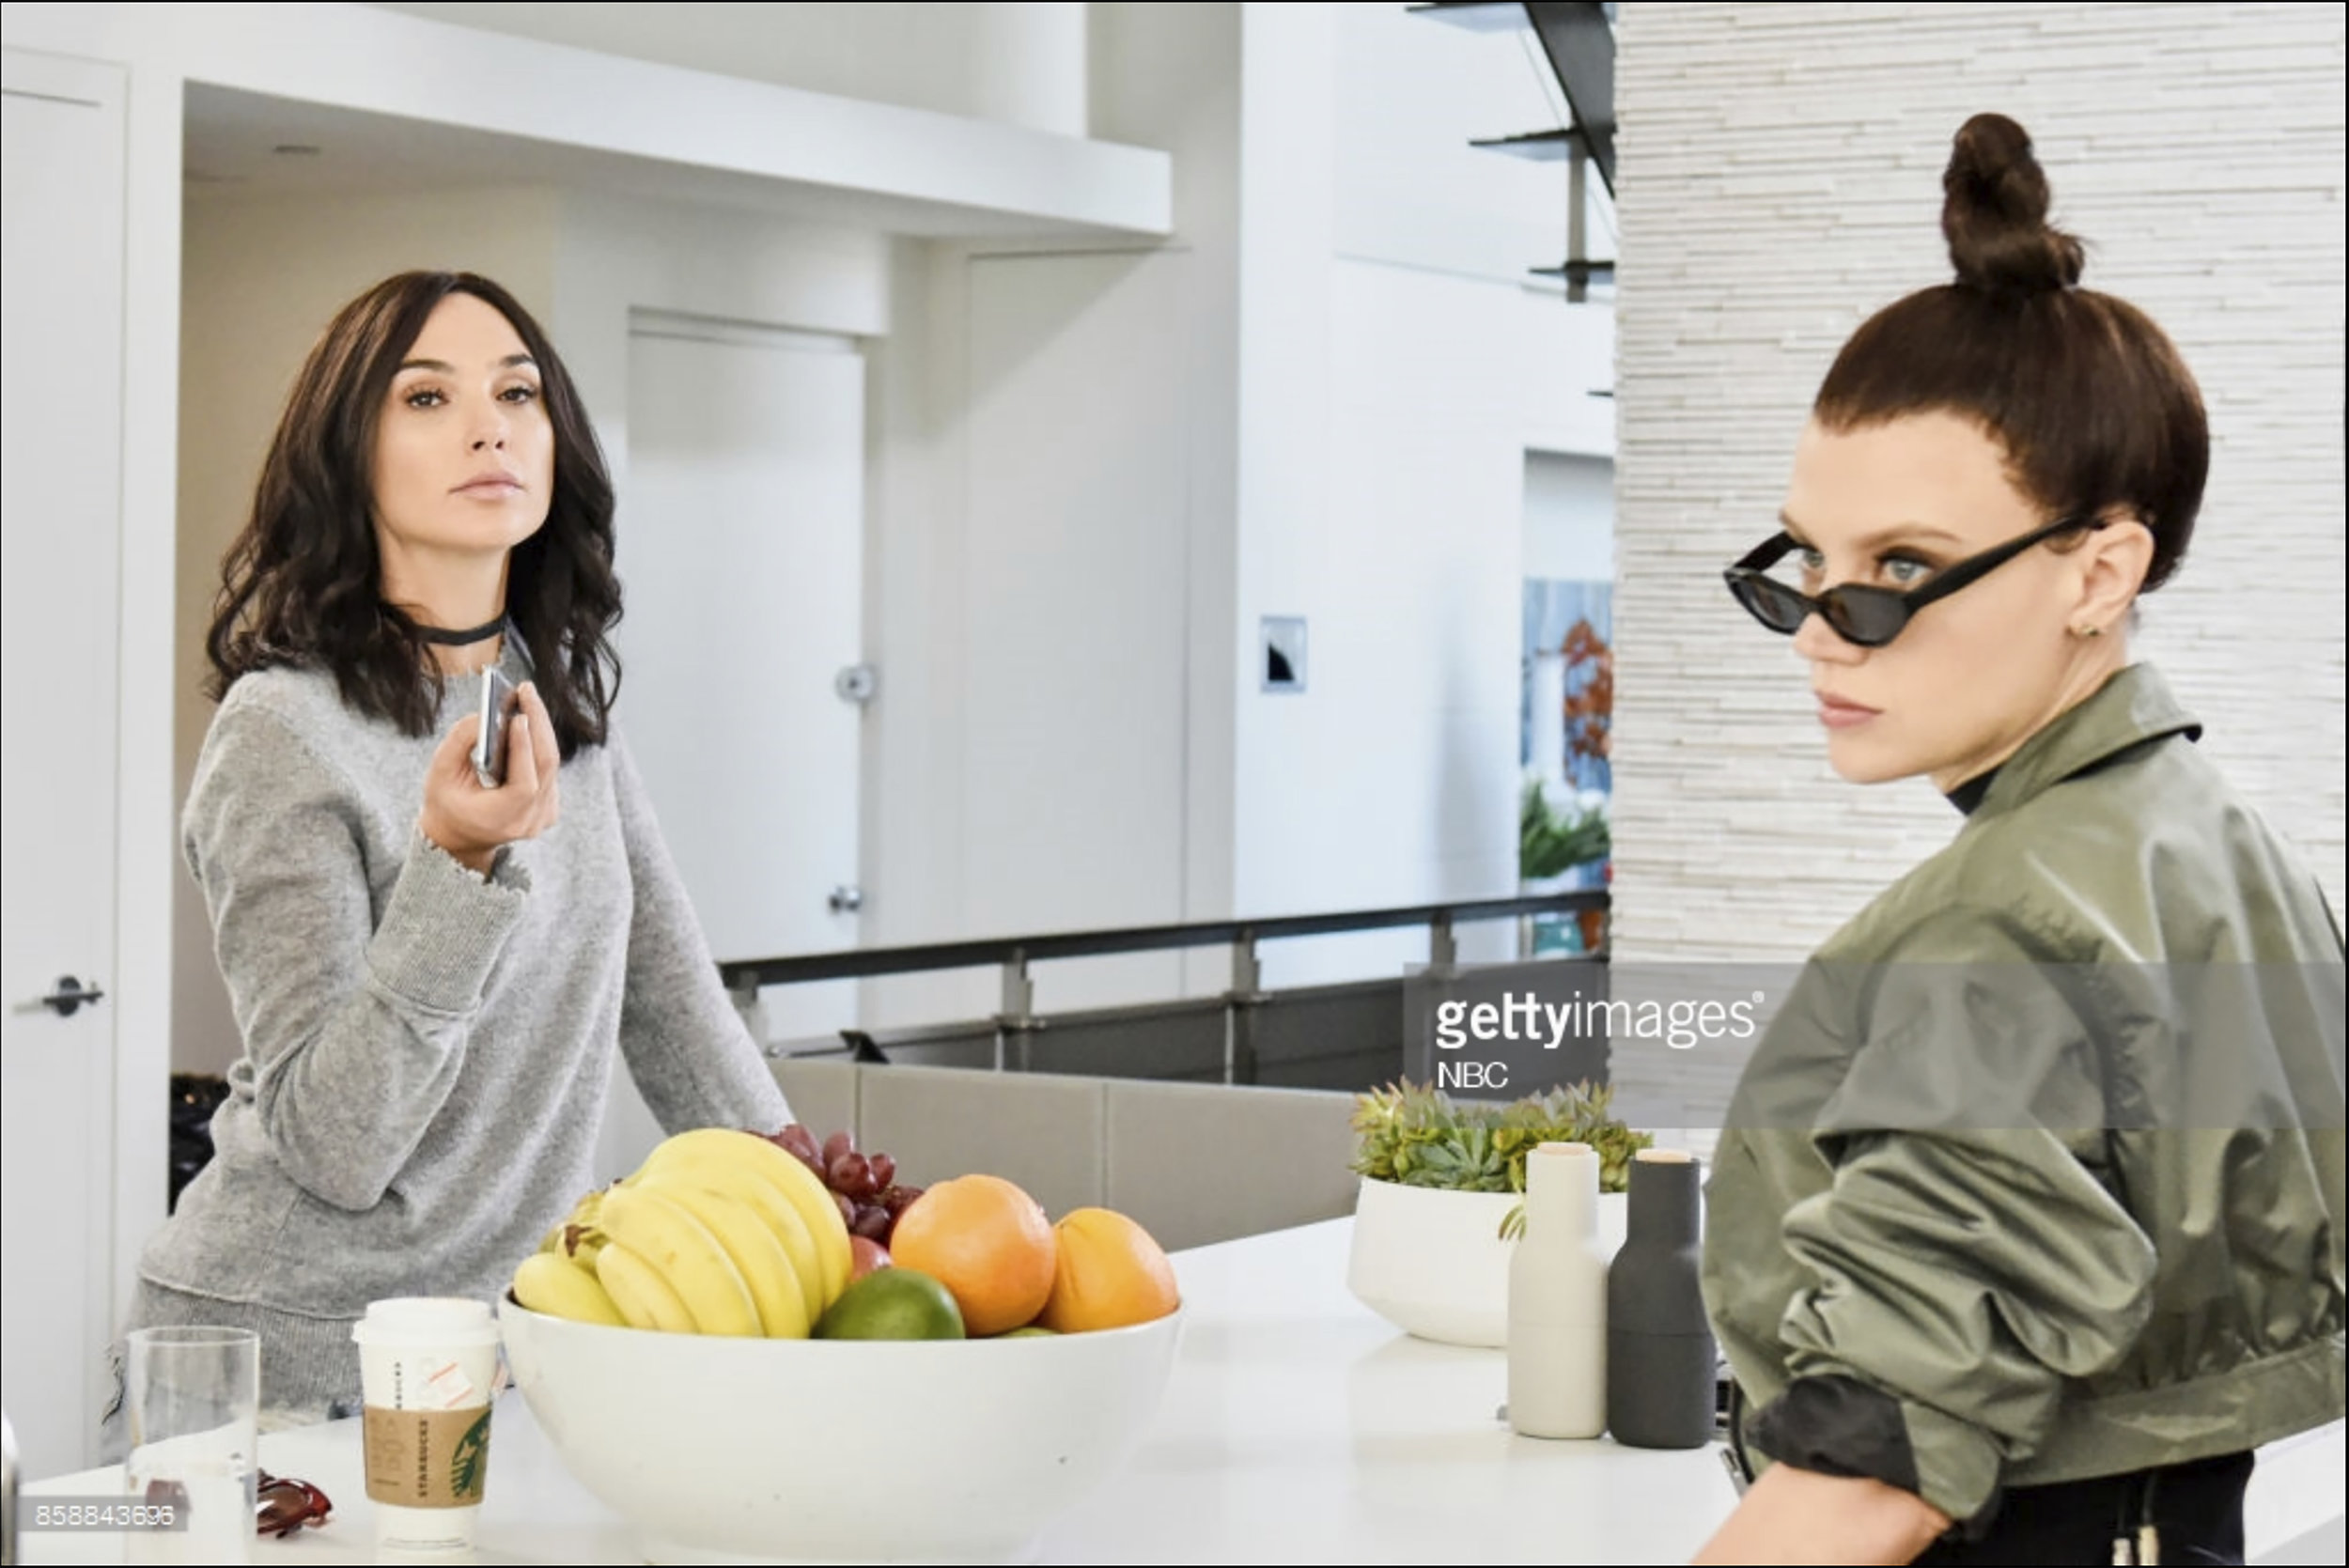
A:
(453, 639)
(1971, 794)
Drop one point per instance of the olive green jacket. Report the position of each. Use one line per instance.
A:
(2036, 1174)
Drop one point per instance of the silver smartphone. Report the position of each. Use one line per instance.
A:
(500, 699)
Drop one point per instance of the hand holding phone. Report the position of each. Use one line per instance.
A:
(499, 700)
(496, 777)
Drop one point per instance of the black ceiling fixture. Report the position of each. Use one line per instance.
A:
(1578, 38)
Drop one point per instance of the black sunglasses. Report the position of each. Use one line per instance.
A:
(1866, 617)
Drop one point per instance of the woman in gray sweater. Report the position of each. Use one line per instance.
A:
(431, 976)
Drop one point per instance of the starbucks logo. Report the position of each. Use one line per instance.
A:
(466, 1465)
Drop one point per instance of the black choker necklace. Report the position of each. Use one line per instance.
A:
(448, 639)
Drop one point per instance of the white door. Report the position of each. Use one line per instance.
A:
(60, 541)
(742, 555)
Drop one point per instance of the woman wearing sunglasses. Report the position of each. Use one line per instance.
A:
(434, 964)
(2027, 1227)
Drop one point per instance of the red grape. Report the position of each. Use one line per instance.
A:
(838, 1145)
(848, 1209)
(872, 1224)
(884, 1170)
(853, 1175)
(800, 1141)
(896, 1200)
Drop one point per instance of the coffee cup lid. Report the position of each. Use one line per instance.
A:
(426, 1320)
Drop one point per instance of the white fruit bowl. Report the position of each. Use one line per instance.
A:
(837, 1451)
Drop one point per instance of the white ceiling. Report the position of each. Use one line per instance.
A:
(232, 137)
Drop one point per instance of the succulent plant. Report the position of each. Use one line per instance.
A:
(1419, 1136)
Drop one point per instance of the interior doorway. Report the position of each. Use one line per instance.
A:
(740, 546)
(63, 274)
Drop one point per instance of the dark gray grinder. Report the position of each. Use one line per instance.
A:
(1659, 1348)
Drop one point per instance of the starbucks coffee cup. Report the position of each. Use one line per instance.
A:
(428, 1366)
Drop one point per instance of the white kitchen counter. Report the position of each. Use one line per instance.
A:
(1297, 1428)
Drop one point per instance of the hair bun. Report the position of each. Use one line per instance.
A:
(1995, 214)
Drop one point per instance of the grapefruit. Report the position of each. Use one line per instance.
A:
(988, 1242)
(1108, 1273)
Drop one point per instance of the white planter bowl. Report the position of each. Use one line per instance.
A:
(1432, 1264)
(837, 1451)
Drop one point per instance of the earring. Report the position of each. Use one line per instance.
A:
(2087, 631)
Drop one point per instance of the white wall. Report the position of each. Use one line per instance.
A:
(1022, 64)
(1398, 367)
(1168, 76)
(1569, 518)
(261, 281)
(1781, 177)
(1393, 781)
(1073, 636)
(913, 596)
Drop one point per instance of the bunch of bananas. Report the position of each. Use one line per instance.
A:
(719, 1232)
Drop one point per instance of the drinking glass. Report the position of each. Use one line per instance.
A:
(195, 1398)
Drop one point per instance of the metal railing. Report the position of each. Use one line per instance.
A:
(1008, 1036)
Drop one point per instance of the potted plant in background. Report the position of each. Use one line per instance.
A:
(1563, 841)
(1441, 1180)
(1560, 829)
(1563, 836)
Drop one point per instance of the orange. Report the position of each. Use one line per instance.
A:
(1111, 1275)
(987, 1242)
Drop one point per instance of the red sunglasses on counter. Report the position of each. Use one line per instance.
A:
(283, 1505)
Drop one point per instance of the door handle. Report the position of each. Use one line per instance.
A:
(846, 899)
(69, 997)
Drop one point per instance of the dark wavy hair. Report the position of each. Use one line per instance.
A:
(302, 584)
(2090, 399)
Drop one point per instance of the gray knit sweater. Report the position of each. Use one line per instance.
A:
(427, 1052)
